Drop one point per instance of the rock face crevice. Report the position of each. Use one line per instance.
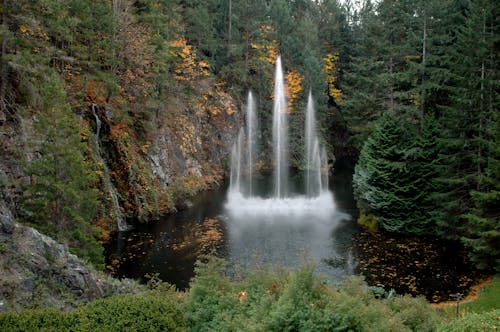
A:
(36, 271)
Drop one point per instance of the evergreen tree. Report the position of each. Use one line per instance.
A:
(393, 177)
(483, 228)
(473, 101)
(61, 201)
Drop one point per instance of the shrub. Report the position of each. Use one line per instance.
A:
(488, 321)
(120, 313)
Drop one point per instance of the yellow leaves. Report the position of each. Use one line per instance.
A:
(294, 86)
(24, 28)
(189, 140)
(268, 49)
(412, 57)
(214, 102)
(189, 68)
(33, 32)
(330, 69)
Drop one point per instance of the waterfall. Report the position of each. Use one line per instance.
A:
(251, 144)
(120, 218)
(280, 144)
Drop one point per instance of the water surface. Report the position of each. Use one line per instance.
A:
(171, 246)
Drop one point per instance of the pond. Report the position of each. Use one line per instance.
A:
(171, 246)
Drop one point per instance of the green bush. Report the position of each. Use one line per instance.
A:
(35, 320)
(120, 313)
(368, 221)
(488, 321)
(131, 313)
(296, 301)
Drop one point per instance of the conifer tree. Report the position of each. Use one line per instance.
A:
(482, 234)
(61, 200)
(394, 175)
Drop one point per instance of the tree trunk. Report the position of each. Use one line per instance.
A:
(481, 114)
(230, 20)
(424, 59)
(391, 92)
(3, 69)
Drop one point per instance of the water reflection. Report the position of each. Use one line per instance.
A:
(170, 247)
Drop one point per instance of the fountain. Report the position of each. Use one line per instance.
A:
(251, 143)
(317, 201)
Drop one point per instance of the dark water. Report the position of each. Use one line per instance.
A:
(171, 246)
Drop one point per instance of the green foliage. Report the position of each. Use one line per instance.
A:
(61, 200)
(35, 320)
(368, 221)
(119, 313)
(488, 321)
(296, 301)
(394, 174)
(132, 313)
(483, 231)
(488, 299)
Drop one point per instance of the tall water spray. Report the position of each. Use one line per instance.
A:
(280, 139)
(313, 163)
(237, 164)
(324, 169)
(251, 142)
(242, 199)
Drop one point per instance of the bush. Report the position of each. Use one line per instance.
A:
(120, 313)
(488, 321)
(131, 313)
(296, 301)
(368, 221)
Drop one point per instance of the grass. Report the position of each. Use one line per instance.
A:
(489, 298)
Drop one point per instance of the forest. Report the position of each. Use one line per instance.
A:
(116, 113)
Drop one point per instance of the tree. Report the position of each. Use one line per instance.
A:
(465, 119)
(61, 200)
(393, 177)
(483, 230)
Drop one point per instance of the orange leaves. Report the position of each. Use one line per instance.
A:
(120, 132)
(268, 49)
(242, 296)
(33, 32)
(294, 86)
(96, 92)
(189, 141)
(330, 69)
(189, 68)
(214, 102)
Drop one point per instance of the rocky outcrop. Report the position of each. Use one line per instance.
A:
(36, 271)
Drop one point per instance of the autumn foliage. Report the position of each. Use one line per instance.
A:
(331, 71)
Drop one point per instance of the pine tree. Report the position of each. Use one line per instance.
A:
(60, 200)
(394, 175)
(473, 101)
(483, 228)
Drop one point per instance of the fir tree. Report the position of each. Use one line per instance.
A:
(483, 228)
(60, 200)
(394, 175)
